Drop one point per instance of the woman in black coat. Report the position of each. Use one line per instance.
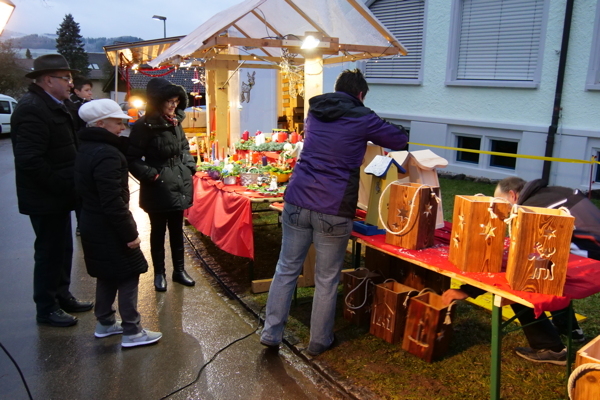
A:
(109, 235)
(159, 157)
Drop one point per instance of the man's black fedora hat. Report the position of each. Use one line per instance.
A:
(47, 63)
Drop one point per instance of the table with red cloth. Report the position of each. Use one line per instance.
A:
(224, 213)
(583, 280)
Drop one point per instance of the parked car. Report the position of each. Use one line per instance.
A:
(7, 106)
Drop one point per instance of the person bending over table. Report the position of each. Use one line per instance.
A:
(543, 336)
(320, 202)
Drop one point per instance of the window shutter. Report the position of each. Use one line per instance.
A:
(404, 18)
(500, 39)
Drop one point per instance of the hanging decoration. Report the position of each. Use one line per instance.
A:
(293, 73)
(247, 87)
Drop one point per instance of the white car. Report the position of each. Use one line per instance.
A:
(7, 106)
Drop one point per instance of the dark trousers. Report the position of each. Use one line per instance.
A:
(106, 291)
(543, 334)
(53, 256)
(158, 228)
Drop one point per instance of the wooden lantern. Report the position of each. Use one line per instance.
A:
(478, 230)
(539, 250)
(586, 385)
(412, 215)
(358, 284)
(390, 306)
(428, 326)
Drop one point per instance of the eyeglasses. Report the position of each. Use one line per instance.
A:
(67, 79)
(173, 103)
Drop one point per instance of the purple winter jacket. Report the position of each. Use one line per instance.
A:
(337, 129)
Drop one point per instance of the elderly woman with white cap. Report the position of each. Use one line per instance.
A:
(109, 233)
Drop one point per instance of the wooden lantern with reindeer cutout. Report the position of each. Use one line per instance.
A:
(478, 231)
(412, 213)
(538, 255)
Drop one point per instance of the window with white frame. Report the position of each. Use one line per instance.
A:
(593, 78)
(405, 20)
(496, 43)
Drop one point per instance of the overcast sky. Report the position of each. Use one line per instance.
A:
(112, 18)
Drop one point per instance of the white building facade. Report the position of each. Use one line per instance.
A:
(482, 74)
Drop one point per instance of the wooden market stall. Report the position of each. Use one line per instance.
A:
(271, 35)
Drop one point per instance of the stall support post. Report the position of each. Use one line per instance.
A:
(313, 76)
(496, 348)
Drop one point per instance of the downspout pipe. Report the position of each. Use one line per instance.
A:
(552, 129)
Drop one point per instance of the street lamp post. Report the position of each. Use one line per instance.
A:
(6, 10)
(161, 18)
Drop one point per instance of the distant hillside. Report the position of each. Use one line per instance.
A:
(92, 45)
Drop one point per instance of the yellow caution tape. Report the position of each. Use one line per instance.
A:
(495, 153)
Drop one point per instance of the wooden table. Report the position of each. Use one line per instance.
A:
(580, 271)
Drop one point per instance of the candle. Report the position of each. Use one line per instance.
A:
(213, 151)
(222, 153)
(294, 137)
(245, 135)
(264, 160)
(216, 149)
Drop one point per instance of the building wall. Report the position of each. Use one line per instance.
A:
(436, 113)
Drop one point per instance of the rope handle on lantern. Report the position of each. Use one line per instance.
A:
(412, 206)
(448, 319)
(577, 372)
(513, 214)
(364, 280)
(405, 304)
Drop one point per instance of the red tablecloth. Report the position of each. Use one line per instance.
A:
(583, 274)
(224, 213)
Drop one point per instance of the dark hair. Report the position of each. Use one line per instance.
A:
(352, 82)
(80, 81)
(513, 183)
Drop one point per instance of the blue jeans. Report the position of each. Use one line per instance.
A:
(330, 234)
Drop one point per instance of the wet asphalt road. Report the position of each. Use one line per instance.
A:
(70, 363)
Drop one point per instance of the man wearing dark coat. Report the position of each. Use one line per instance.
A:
(44, 147)
(109, 236)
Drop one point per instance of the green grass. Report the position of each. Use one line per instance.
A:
(463, 373)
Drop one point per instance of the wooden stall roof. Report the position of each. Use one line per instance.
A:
(260, 28)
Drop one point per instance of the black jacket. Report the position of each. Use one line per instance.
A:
(106, 224)
(44, 147)
(156, 147)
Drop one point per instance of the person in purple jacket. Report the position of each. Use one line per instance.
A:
(320, 203)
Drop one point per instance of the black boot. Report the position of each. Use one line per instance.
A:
(160, 282)
(180, 276)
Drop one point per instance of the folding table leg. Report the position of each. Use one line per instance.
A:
(496, 347)
(569, 344)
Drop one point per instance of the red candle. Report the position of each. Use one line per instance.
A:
(294, 138)
(245, 135)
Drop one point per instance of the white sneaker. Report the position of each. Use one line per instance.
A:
(140, 339)
(107, 330)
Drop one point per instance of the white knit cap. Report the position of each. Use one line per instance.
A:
(96, 110)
